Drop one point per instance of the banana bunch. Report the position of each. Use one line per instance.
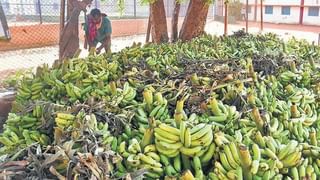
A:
(167, 140)
(289, 77)
(141, 117)
(29, 122)
(34, 136)
(113, 67)
(24, 92)
(157, 104)
(229, 159)
(10, 138)
(195, 141)
(299, 95)
(37, 111)
(222, 113)
(305, 171)
(73, 92)
(138, 158)
(128, 93)
(72, 75)
(107, 139)
(64, 120)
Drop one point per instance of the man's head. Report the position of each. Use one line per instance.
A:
(96, 14)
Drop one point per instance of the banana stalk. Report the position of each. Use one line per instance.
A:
(246, 161)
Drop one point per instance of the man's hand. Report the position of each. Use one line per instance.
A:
(99, 50)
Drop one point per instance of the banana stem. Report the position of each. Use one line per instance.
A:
(257, 118)
(187, 175)
(147, 138)
(179, 107)
(313, 137)
(213, 103)
(293, 66)
(294, 111)
(289, 88)
(246, 161)
(178, 117)
(147, 95)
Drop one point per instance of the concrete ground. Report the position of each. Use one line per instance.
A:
(11, 61)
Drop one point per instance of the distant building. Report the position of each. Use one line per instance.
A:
(280, 11)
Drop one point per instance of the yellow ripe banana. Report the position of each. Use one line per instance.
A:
(187, 138)
(150, 148)
(224, 161)
(209, 154)
(201, 133)
(207, 138)
(234, 151)
(154, 156)
(292, 159)
(289, 148)
(169, 129)
(62, 122)
(158, 170)
(229, 156)
(161, 138)
(182, 130)
(176, 145)
(167, 152)
(166, 134)
(190, 151)
(149, 160)
(65, 116)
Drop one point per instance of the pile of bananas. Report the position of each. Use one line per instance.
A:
(264, 126)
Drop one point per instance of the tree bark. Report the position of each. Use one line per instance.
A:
(175, 21)
(69, 38)
(195, 20)
(148, 29)
(158, 22)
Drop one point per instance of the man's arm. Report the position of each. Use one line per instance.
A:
(106, 43)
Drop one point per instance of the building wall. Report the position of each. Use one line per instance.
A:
(310, 20)
(277, 17)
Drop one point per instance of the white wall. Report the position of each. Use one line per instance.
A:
(311, 2)
(310, 20)
(276, 17)
(2, 34)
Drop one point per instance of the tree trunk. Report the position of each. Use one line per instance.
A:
(158, 22)
(69, 38)
(195, 20)
(175, 20)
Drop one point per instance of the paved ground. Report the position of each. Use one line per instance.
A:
(28, 58)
